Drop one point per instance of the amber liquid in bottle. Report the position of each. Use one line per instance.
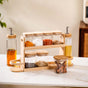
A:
(68, 52)
(11, 55)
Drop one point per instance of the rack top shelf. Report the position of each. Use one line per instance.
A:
(39, 33)
(43, 47)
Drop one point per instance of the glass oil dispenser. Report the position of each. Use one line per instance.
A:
(68, 47)
(11, 45)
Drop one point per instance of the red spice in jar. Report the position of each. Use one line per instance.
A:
(47, 42)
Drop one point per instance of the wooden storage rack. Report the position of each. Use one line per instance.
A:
(21, 67)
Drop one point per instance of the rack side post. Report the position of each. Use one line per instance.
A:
(22, 52)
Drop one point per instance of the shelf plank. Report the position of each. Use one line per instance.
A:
(43, 47)
(36, 69)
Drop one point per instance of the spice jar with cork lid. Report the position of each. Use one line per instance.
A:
(68, 47)
(47, 39)
(28, 41)
(11, 45)
(37, 39)
(56, 38)
(61, 63)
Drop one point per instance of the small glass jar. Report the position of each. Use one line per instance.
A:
(28, 41)
(61, 64)
(47, 39)
(29, 38)
(11, 45)
(56, 38)
(61, 38)
(37, 40)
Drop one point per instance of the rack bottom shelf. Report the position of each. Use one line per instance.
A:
(16, 69)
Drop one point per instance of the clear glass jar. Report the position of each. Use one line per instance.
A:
(61, 64)
(61, 38)
(56, 38)
(68, 47)
(29, 38)
(28, 41)
(11, 45)
(47, 39)
(37, 40)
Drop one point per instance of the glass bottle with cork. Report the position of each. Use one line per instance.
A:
(68, 47)
(11, 44)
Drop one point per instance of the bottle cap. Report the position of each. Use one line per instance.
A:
(67, 34)
(11, 35)
(60, 57)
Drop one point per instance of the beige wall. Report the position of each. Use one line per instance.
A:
(41, 15)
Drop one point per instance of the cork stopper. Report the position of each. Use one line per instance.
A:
(11, 35)
(57, 33)
(47, 33)
(67, 34)
(37, 34)
(60, 57)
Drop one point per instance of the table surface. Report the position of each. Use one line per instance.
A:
(77, 75)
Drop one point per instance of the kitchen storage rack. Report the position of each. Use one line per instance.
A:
(20, 67)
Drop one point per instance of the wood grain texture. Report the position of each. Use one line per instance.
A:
(46, 46)
(86, 45)
(83, 31)
(36, 69)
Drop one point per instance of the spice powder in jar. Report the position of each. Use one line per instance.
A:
(61, 62)
(47, 39)
(37, 40)
(28, 41)
(56, 38)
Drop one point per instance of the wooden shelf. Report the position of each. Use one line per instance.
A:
(43, 47)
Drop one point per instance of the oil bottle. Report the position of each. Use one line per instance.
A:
(68, 47)
(11, 44)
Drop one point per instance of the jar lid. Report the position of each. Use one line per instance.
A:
(48, 33)
(11, 36)
(30, 54)
(60, 57)
(28, 35)
(42, 52)
(38, 34)
(56, 33)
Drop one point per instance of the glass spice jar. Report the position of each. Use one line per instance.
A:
(61, 39)
(28, 41)
(11, 45)
(61, 62)
(56, 38)
(37, 40)
(47, 39)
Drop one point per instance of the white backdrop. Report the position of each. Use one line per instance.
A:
(41, 15)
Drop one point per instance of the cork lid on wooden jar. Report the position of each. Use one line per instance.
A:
(42, 52)
(60, 57)
(48, 33)
(57, 33)
(37, 34)
(30, 54)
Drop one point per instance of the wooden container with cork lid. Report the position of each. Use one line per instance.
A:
(11, 45)
(61, 63)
